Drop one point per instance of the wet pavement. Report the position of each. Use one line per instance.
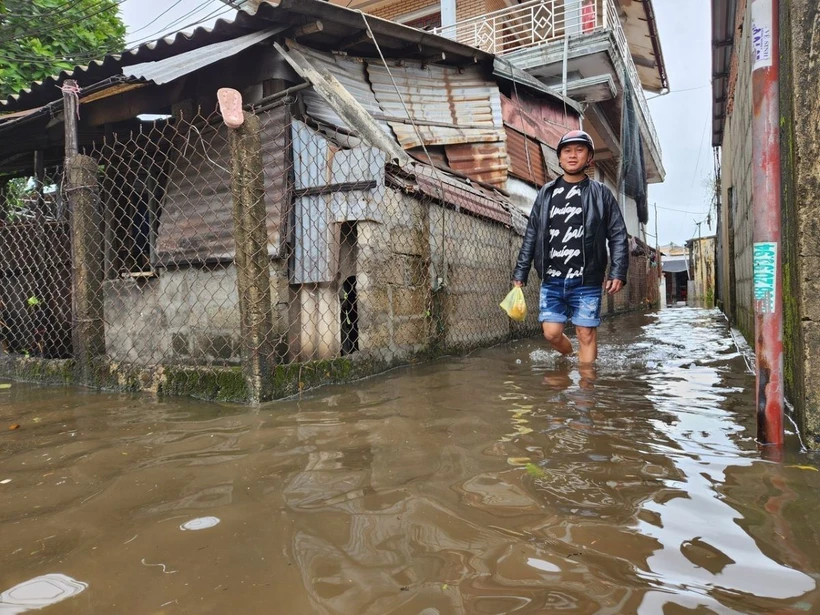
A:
(500, 482)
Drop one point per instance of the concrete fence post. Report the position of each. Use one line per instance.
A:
(252, 260)
(88, 329)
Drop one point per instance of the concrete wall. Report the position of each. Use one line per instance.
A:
(183, 316)
(474, 259)
(430, 278)
(800, 150)
(393, 280)
(736, 189)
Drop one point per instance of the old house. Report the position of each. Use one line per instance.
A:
(363, 216)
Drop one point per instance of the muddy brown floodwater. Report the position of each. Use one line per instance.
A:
(499, 482)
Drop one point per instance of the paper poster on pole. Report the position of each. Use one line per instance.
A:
(762, 34)
(765, 275)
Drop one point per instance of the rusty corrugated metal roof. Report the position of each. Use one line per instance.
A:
(352, 74)
(456, 192)
(448, 106)
(341, 24)
(486, 162)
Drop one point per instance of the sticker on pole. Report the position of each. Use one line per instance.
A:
(762, 32)
(765, 275)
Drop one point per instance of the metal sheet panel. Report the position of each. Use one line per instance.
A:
(505, 69)
(196, 224)
(526, 158)
(464, 100)
(352, 74)
(169, 69)
(486, 162)
(319, 163)
(551, 160)
(344, 104)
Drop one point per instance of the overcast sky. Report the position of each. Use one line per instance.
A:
(682, 117)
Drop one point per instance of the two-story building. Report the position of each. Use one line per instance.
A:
(596, 52)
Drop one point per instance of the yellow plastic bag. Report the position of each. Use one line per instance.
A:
(515, 305)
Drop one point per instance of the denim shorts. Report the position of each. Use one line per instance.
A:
(562, 299)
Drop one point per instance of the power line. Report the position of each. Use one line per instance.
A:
(683, 211)
(157, 34)
(155, 19)
(221, 10)
(700, 87)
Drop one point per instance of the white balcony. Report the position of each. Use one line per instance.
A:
(540, 35)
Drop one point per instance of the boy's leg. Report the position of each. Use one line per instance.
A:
(552, 314)
(587, 343)
(585, 302)
(554, 334)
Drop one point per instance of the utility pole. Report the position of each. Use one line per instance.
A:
(767, 255)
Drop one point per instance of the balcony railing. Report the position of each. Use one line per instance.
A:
(543, 22)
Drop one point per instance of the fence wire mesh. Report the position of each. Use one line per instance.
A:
(286, 242)
(35, 293)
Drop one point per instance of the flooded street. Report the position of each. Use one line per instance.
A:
(500, 482)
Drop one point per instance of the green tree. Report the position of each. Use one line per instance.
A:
(40, 38)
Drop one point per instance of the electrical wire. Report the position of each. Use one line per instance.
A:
(155, 19)
(221, 10)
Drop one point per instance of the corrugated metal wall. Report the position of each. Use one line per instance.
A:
(317, 163)
(196, 224)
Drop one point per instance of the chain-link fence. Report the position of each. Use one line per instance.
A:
(35, 294)
(249, 263)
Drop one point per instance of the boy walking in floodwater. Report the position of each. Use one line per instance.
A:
(572, 222)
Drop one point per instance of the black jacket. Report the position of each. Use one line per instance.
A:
(603, 222)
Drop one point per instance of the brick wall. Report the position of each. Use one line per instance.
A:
(402, 7)
(736, 186)
(465, 9)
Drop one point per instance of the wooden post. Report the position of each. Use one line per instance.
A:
(252, 261)
(71, 109)
(87, 243)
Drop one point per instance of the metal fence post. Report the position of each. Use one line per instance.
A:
(252, 261)
(87, 242)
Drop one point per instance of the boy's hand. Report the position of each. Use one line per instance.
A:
(613, 286)
(518, 283)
